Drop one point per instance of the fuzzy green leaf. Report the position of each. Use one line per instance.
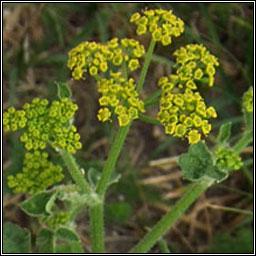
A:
(224, 133)
(15, 239)
(36, 204)
(63, 90)
(45, 241)
(67, 234)
(197, 162)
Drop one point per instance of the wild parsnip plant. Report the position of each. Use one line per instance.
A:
(183, 113)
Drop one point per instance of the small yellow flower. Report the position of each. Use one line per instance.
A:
(206, 127)
(170, 129)
(180, 130)
(198, 74)
(191, 85)
(135, 17)
(211, 112)
(197, 120)
(120, 109)
(77, 73)
(104, 101)
(133, 64)
(104, 114)
(93, 71)
(124, 120)
(142, 29)
(157, 35)
(193, 137)
(133, 113)
(188, 122)
(103, 66)
(166, 39)
(117, 60)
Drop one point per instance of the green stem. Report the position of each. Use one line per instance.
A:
(96, 226)
(146, 64)
(149, 119)
(111, 161)
(191, 194)
(75, 172)
(246, 139)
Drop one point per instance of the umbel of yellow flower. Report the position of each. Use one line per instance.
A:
(37, 174)
(183, 111)
(119, 96)
(161, 24)
(95, 59)
(42, 124)
(195, 63)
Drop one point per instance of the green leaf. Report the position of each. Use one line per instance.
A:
(45, 241)
(118, 212)
(15, 239)
(67, 234)
(224, 132)
(63, 90)
(197, 162)
(36, 205)
(70, 247)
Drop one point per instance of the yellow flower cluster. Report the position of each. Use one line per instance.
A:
(248, 100)
(14, 119)
(95, 58)
(195, 63)
(37, 174)
(183, 111)
(119, 96)
(184, 114)
(161, 24)
(42, 124)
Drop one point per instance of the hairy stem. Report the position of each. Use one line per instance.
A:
(111, 161)
(96, 226)
(74, 171)
(191, 194)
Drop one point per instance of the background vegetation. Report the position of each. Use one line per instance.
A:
(36, 39)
